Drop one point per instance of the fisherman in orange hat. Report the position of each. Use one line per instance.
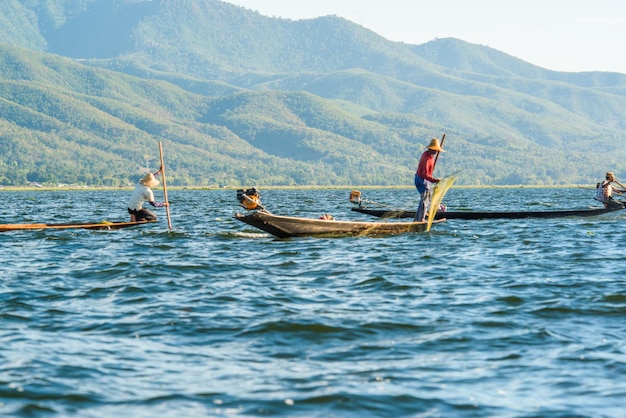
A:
(424, 178)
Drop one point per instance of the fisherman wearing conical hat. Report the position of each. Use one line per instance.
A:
(424, 178)
(143, 193)
(605, 191)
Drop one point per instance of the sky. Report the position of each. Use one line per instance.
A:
(560, 35)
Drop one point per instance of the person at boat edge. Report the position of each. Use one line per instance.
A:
(143, 193)
(424, 178)
(605, 190)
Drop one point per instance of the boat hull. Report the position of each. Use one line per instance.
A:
(83, 225)
(471, 215)
(289, 226)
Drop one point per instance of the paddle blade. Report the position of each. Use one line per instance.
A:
(439, 191)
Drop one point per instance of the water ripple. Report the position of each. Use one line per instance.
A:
(484, 318)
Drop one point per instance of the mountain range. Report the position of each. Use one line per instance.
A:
(89, 87)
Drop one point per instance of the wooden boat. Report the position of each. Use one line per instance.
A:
(84, 225)
(476, 215)
(289, 226)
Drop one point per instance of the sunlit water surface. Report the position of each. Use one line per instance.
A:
(476, 318)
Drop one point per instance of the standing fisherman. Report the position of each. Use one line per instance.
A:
(424, 178)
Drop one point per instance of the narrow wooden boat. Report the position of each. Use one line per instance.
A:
(84, 225)
(473, 215)
(289, 226)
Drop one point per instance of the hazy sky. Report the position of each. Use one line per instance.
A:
(561, 35)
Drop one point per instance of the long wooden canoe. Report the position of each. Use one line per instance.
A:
(289, 226)
(473, 215)
(84, 225)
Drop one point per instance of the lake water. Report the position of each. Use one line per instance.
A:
(513, 318)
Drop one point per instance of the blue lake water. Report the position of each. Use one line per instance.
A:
(517, 318)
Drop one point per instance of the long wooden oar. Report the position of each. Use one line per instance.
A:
(167, 204)
(439, 190)
(443, 138)
(379, 204)
(620, 185)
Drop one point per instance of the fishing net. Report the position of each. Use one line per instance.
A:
(439, 191)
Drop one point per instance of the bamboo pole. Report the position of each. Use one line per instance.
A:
(443, 138)
(167, 204)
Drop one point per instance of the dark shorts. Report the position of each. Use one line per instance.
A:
(143, 214)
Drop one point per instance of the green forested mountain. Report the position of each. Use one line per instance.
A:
(66, 122)
(88, 88)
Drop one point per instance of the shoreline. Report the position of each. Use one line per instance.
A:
(331, 187)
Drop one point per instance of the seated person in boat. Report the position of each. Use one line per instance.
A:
(141, 194)
(605, 191)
